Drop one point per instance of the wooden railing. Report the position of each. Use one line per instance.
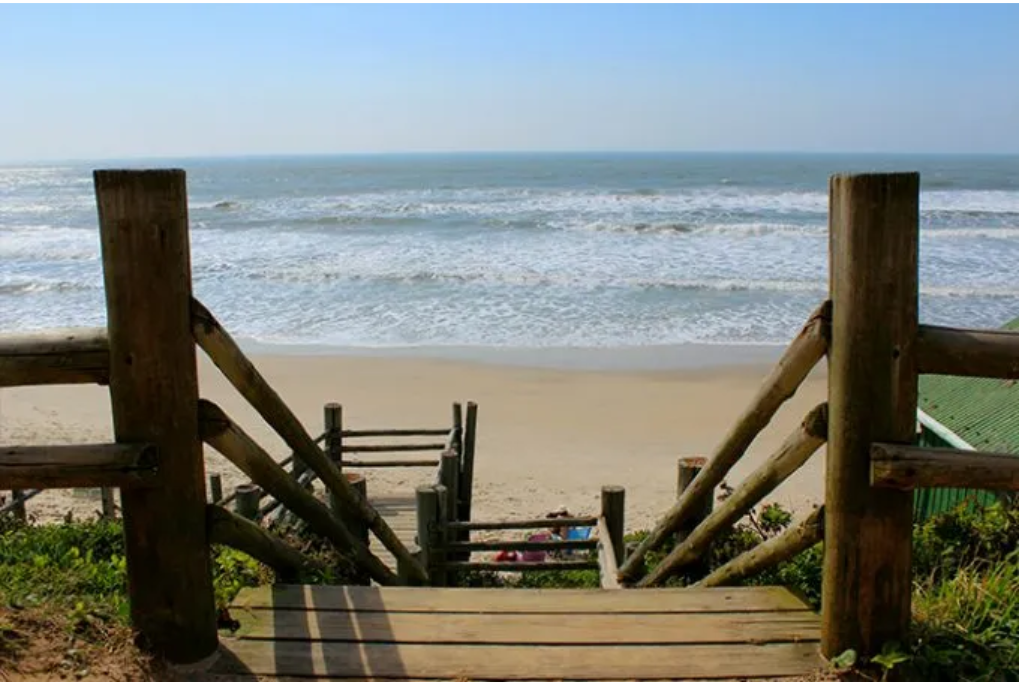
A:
(876, 350)
(446, 550)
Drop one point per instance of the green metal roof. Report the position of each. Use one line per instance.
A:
(984, 412)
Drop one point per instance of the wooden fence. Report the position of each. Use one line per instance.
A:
(876, 348)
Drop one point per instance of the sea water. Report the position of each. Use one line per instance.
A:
(513, 251)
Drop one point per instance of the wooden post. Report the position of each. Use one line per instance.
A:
(456, 443)
(613, 511)
(216, 489)
(872, 395)
(18, 500)
(143, 218)
(439, 542)
(688, 468)
(362, 532)
(332, 427)
(428, 507)
(247, 500)
(466, 466)
(449, 478)
(107, 503)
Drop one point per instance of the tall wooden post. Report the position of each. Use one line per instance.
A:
(872, 395)
(143, 218)
(467, 464)
(456, 442)
(428, 521)
(613, 509)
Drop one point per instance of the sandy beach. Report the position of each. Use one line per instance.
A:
(547, 437)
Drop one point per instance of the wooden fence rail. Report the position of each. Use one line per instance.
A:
(904, 467)
(79, 466)
(800, 357)
(65, 356)
(968, 352)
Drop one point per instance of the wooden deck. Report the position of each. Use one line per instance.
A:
(511, 634)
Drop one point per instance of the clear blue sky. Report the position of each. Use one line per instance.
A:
(128, 81)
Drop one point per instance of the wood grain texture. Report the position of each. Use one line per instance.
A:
(505, 662)
(906, 467)
(231, 441)
(62, 356)
(117, 465)
(790, 456)
(782, 547)
(799, 359)
(530, 628)
(480, 600)
(872, 395)
(244, 376)
(968, 352)
(143, 217)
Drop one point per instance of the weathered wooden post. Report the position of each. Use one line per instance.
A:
(107, 503)
(247, 501)
(18, 502)
(143, 218)
(428, 521)
(449, 478)
(872, 395)
(456, 440)
(613, 509)
(332, 429)
(466, 465)
(216, 488)
(688, 469)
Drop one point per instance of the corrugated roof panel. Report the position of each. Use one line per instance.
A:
(984, 412)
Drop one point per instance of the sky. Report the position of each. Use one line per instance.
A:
(120, 81)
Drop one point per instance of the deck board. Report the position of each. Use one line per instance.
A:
(316, 632)
(399, 512)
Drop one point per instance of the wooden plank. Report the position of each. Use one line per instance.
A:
(797, 362)
(782, 547)
(118, 465)
(479, 600)
(872, 396)
(968, 352)
(505, 662)
(906, 467)
(530, 628)
(154, 390)
(63, 356)
(790, 456)
(396, 447)
(561, 522)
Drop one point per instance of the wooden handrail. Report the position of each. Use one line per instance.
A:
(405, 447)
(243, 375)
(390, 463)
(396, 433)
(527, 545)
(790, 456)
(114, 465)
(226, 528)
(520, 566)
(217, 429)
(799, 359)
(905, 467)
(968, 352)
(560, 522)
(64, 356)
(782, 547)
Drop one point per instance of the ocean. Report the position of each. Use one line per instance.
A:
(513, 251)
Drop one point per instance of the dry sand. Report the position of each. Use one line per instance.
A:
(546, 437)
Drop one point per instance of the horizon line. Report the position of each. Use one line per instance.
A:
(496, 152)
